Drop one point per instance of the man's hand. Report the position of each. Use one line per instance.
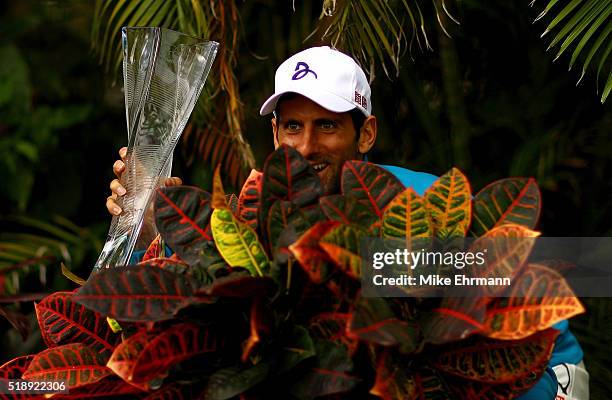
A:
(117, 190)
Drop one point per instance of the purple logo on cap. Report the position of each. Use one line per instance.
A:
(302, 69)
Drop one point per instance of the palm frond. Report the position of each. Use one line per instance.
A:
(377, 32)
(32, 245)
(583, 27)
(219, 115)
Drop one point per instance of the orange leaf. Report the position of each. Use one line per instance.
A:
(505, 250)
(539, 298)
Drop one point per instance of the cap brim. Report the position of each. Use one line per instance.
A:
(327, 100)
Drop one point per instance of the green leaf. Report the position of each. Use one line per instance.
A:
(238, 243)
(297, 347)
(229, 382)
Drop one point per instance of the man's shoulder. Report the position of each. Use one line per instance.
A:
(419, 181)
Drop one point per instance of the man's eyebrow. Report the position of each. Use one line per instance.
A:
(326, 120)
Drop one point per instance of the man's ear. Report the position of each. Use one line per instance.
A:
(275, 133)
(367, 134)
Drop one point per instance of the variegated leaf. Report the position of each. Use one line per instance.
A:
(312, 258)
(137, 292)
(347, 209)
(75, 363)
(512, 200)
(449, 204)
(372, 186)
(406, 218)
(181, 216)
(342, 244)
(505, 250)
(248, 201)
(238, 243)
(63, 321)
(287, 176)
(539, 298)
(494, 361)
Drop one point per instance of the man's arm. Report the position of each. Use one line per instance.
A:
(566, 377)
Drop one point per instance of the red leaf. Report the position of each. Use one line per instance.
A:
(124, 357)
(454, 319)
(248, 201)
(15, 368)
(63, 321)
(170, 347)
(312, 258)
(75, 363)
(287, 176)
(155, 249)
(373, 321)
(398, 378)
(181, 215)
(108, 387)
(347, 209)
(494, 361)
(257, 326)
(137, 293)
(333, 326)
(241, 286)
(372, 186)
(146, 356)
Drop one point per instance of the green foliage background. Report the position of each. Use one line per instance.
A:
(489, 100)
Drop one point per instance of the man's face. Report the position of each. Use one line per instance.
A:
(324, 138)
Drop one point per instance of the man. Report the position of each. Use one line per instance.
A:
(322, 107)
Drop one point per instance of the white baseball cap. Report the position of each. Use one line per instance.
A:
(326, 76)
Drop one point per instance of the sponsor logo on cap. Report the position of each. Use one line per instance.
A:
(361, 100)
(302, 69)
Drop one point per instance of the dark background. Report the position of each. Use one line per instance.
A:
(517, 113)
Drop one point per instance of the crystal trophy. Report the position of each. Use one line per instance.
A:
(163, 74)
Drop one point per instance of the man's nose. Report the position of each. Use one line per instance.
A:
(308, 145)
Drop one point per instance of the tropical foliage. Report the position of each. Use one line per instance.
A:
(583, 27)
(262, 296)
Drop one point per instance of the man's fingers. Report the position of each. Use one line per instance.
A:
(123, 153)
(116, 188)
(112, 206)
(118, 168)
(173, 181)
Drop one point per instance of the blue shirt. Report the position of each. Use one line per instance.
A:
(566, 349)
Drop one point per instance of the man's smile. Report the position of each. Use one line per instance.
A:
(319, 167)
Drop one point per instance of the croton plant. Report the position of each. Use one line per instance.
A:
(261, 298)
